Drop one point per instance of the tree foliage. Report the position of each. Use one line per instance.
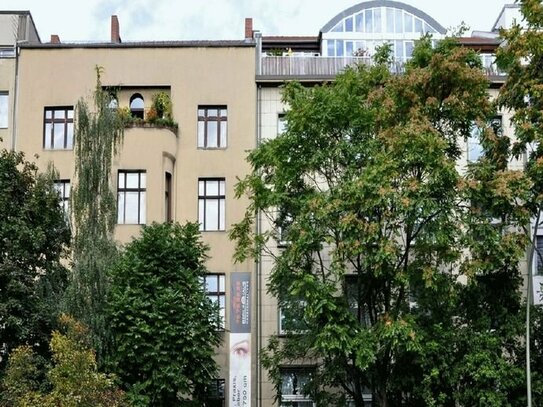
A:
(406, 266)
(33, 239)
(99, 132)
(165, 328)
(73, 377)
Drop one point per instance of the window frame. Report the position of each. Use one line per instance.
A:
(137, 112)
(204, 199)
(538, 256)
(297, 396)
(216, 393)
(168, 196)
(68, 142)
(142, 216)
(215, 296)
(203, 140)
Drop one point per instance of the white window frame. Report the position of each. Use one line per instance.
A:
(216, 295)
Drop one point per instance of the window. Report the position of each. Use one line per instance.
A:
(293, 381)
(4, 110)
(131, 197)
(283, 222)
(475, 149)
(168, 196)
(215, 394)
(291, 318)
(215, 287)
(212, 126)
(281, 123)
(137, 105)
(354, 294)
(58, 131)
(539, 255)
(211, 202)
(63, 189)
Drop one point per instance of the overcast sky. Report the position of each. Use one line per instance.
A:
(87, 20)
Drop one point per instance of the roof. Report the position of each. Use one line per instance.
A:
(23, 13)
(383, 3)
(144, 44)
(501, 13)
(480, 43)
(299, 43)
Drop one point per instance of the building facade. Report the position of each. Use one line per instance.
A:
(226, 99)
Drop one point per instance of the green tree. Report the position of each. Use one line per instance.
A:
(521, 57)
(74, 378)
(98, 134)
(165, 328)
(373, 205)
(34, 237)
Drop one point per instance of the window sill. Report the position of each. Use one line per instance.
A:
(212, 148)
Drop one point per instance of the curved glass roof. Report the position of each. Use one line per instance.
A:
(383, 16)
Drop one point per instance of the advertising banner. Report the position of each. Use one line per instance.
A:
(240, 340)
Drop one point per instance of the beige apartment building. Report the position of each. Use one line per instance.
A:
(226, 99)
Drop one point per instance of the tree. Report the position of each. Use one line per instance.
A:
(372, 204)
(98, 135)
(34, 237)
(74, 378)
(521, 57)
(165, 329)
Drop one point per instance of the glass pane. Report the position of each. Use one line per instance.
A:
(120, 207)
(349, 48)
(221, 188)
(48, 114)
(331, 48)
(132, 180)
(211, 284)
(224, 113)
(408, 22)
(136, 103)
(143, 180)
(58, 141)
(338, 28)
(224, 129)
(212, 188)
(359, 22)
(390, 20)
(408, 49)
(377, 20)
(222, 283)
(3, 110)
(70, 114)
(67, 189)
(69, 135)
(47, 136)
(60, 114)
(398, 17)
(339, 48)
(475, 151)
(201, 188)
(212, 112)
(142, 212)
(201, 113)
(212, 134)
(360, 46)
(121, 180)
(222, 302)
(368, 21)
(221, 215)
(212, 214)
(201, 134)
(201, 213)
(418, 25)
(398, 49)
(427, 28)
(131, 207)
(349, 24)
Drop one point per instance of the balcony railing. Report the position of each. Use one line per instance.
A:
(329, 67)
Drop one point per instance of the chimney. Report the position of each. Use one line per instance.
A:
(55, 39)
(248, 28)
(115, 31)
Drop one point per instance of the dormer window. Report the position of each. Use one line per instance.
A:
(136, 106)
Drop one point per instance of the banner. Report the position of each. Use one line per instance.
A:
(240, 340)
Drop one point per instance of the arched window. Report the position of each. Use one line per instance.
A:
(136, 105)
(113, 103)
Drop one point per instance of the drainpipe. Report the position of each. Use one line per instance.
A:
(258, 39)
(15, 96)
(258, 260)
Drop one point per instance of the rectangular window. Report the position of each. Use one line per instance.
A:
(291, 319)
(354, 294)
(475, 149)
(63, 189)
(211, 204)
(4, 97)
(293, 381)
(212, 126)
(58, 133)
(281, 123)
(215, 394)
(215, 287)
(538, 255)
(131, 197)
(168, 196)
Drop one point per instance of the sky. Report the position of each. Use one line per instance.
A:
(156, 20)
